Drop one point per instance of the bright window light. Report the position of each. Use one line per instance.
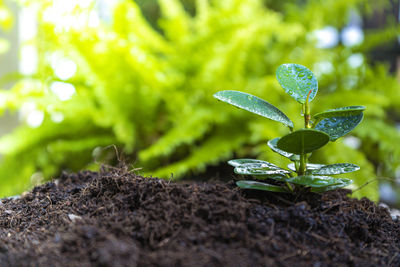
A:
(355, 60)
(64, 91)
(63, 68)
(35, 118)
(327, 37)
(27, 30)
(352, 36)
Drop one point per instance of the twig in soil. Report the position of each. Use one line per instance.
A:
(392, 259)
(168, 239)
(298, 252)
(212, 254)
(320, 237)
(51, 202)
(331, 207)
(271, 232)
(107, 147)
(283, 200)
(96, 211)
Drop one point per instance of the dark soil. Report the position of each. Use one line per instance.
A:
(115, 218)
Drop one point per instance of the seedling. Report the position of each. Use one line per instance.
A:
(301, 84)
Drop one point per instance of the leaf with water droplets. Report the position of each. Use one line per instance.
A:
(273, 145)
(342, 182)
(254, 104)
(260, 186)
(297, 81)
(310, 166)
(303, 141)
(238, 162)
(339, 112)
(260, 169)
(337, 127)
(337, 168)
(314, 181)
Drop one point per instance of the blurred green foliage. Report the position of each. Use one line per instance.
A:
(6, 22)
(148, 90)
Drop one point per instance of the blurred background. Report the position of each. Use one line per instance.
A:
(80, 77)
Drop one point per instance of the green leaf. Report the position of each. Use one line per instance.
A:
(297, 81)
(339, 112)
(260, 186)
(337, 168)
(337, 127)
(310, 166)
(342, 183)
(260, 169)
(255, 105)
(303, 141)
(315, 181)
(273, 145)
(238, 162)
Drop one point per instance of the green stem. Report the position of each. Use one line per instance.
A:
(289, 186)
(307, 115)
(303, 164)
(307, 124)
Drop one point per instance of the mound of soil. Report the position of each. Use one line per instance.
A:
(115, 218)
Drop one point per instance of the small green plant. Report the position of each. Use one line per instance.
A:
(301, 84)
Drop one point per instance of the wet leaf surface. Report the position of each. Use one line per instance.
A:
(259, 169)
(253, 104)
(297, 81)
(310, 166)
(337, 168)
(260, 186)
(339, 112)
(273, 145)
(303, 141)
(342, 182)
(238, 162)
(314, 180)
(337, 127)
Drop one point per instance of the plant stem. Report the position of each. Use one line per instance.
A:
(303, 164)
(307, 115)
(289, 186)
(307, 118)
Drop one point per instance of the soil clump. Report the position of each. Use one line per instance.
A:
(116, 218)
